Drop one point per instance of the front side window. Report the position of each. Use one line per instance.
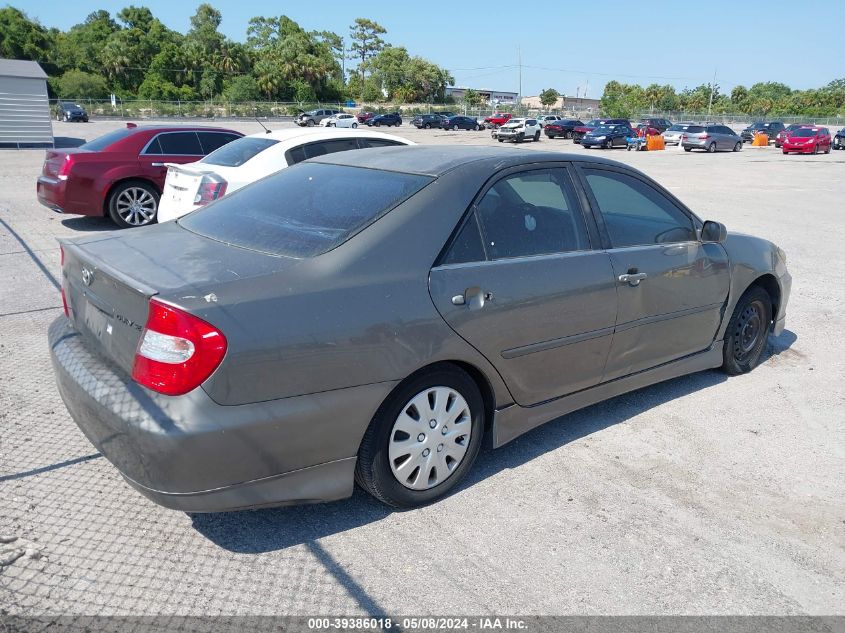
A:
(635, 213)
(532, 213)
(211, 141)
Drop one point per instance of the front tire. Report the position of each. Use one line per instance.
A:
(310, 123)
(133, 203)
(747, 332)
(536, 136)
(455, 128)
(608, 144)
(423, 439)
(354, 125)
(737, 147)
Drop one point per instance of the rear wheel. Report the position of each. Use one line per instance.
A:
(687, 149)
(133, 203)
(536, 136)
(354, 125)
(310, 123)
(477, 127)
(747, 332)
(816, 148)
(608, 144)
(455, 127)
(423, 439)
(712, 147)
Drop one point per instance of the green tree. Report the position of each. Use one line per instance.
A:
(366, 42)
(77, 84)
(549, 97)
(241, 88)
(22, 38)
(472, 98)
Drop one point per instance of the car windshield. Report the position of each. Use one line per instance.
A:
(305, 210)
(239, 151)
(805, 133)
(794, 126)
(604, 129)
(102, 142)
(593, 123)
(678, 128)
(516, 121)
(757, 126)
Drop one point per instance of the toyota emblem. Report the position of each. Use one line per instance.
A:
(87, 276)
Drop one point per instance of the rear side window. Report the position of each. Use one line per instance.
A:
(303, 152)
(467, 246)
(304, 211)
(102, 142)
(180, 144)
(211, 141)
(239, 151)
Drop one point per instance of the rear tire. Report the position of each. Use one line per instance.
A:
(310, 123)
(747, 332)
(398, 419)
(354, 125)
(455, 128)
(536, 136)
(687, 149)
(133, 203)
(608, 144)
(711, 149)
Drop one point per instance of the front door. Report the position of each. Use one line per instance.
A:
(522, 285)
(672, 288)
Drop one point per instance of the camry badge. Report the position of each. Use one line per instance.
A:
(87, 276)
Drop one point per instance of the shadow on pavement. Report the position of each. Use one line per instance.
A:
(61, 142)
(88, 223)
(256, 531)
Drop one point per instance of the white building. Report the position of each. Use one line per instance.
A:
(24, 106)
(490, 96)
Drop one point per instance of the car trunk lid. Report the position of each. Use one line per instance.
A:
(108, 281)
(57, 159)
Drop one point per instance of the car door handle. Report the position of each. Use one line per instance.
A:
(474, 298)
(157, 164)
(632, 279)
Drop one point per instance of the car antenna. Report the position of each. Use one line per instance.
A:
(266, 129)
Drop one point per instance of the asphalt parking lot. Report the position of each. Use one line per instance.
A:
(702, 495)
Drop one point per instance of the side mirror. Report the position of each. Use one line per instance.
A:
(713, 232)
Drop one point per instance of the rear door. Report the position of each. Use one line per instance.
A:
(168, 147)
(522, 284)
(672, 288)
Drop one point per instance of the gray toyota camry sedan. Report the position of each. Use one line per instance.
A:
(370, 316)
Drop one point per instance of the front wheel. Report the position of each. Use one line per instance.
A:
(354, 125)
(310, 123)
(427, 126)
(477, 128)
(608, 144)
(455, 128)
(747, 332)
(423, 439)
(536, 136)
(738, 146)
(133, 203)
(687, 149)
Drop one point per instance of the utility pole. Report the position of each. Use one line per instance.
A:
(343, 59)
(519, 60)
(712, 90)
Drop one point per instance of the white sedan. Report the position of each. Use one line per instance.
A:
(342, 119)
(250, 158)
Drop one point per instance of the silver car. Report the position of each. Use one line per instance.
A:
(370, 316)
(672, 136)
(711, 138)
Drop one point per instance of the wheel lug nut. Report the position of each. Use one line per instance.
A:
(444, 431)
(426, 452)
(421, 437)
(432, 424)
(439, 447)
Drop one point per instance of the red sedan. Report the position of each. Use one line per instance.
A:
(122, 173)
(808, 140)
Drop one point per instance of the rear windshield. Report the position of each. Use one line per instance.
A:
(239, 151)
(805, 133)
(102, 142)
(305, 210)
(678, 128)
(695, 129)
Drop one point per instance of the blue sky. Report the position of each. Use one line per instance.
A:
(563, 45)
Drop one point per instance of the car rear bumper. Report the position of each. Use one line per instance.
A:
(189, 453)
(51, 193)
(696, 144)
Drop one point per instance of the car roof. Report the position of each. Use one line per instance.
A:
(318, 134)
(436, 160)
(181, 128)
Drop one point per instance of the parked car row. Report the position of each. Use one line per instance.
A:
(142, 175)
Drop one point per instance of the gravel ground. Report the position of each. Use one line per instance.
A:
(702, 495)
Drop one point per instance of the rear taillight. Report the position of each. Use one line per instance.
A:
(211, 188)
(64, 170)
(704, 137)
(64, 303)
(177, 351)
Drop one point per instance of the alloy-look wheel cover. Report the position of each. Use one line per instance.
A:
(136, 206)
(429, 438)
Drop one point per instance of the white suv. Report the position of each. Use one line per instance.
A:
(518, 130)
